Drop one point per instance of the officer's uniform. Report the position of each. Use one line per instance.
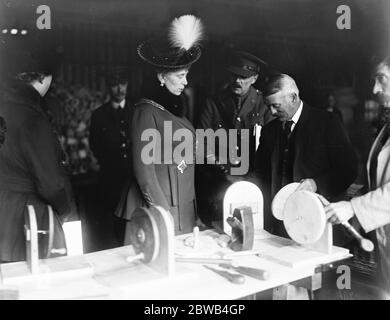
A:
(228, 111)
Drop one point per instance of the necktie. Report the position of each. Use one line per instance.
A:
(287, 128)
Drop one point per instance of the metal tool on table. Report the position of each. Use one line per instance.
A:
(242, 229)
(152, 236)
(232, 277)
(248, 271)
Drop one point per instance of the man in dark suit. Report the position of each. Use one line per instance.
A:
(110, 142)
(303, 144)
(237, 106)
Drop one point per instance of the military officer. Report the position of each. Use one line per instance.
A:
(237, 106)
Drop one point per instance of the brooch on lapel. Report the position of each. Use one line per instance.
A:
(182, 166)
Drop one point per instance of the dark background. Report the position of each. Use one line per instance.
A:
(297, 37)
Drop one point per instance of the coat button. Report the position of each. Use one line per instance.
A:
(125, 156)
(123, 145)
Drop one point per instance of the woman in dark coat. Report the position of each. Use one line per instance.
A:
(31, 159)
(165, 178)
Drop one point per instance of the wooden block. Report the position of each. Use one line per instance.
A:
(55, 268)
(243, 193)
(325, 244)
(288, 253)
(280, 293)
(311, 283)
(8, 293)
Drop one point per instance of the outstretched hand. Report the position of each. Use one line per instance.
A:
(339, 212)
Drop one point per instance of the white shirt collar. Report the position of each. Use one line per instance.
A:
(296, 116)
(120, 104)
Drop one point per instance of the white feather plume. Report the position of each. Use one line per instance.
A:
(185, 31)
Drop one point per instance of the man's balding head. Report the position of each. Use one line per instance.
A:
(282, 96)
(280, 83)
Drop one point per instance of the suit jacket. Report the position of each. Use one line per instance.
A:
(111, 144)
(322, 151)
(373, 208)
(161, 183)
(32, 169)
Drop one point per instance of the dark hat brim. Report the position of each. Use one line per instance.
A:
(241, 72)
(169, 59)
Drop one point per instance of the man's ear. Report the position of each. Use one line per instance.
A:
(255, 78)
(294, 97)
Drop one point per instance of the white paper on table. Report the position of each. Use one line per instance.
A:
(257, 133)
(73, 237)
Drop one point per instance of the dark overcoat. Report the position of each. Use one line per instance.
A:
(32, 170)
(169, 185)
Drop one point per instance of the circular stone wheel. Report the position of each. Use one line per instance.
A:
(304, 217)
(279, 201)
(144, 235)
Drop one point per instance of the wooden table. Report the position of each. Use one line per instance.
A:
(107, 275)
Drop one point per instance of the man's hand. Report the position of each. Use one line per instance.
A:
(308, 185)
(339, 212)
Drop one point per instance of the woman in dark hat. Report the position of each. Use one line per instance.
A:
(31, 159)
(167, 180)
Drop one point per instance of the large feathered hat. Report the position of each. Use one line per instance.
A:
(179, 50)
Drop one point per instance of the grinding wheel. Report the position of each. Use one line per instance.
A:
(144, 233)
(279, 201)
(304, 217)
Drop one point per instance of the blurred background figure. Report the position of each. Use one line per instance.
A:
(331, 105)
(110, 143)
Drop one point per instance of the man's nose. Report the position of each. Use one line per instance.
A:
(377, 88)
(185, 82)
